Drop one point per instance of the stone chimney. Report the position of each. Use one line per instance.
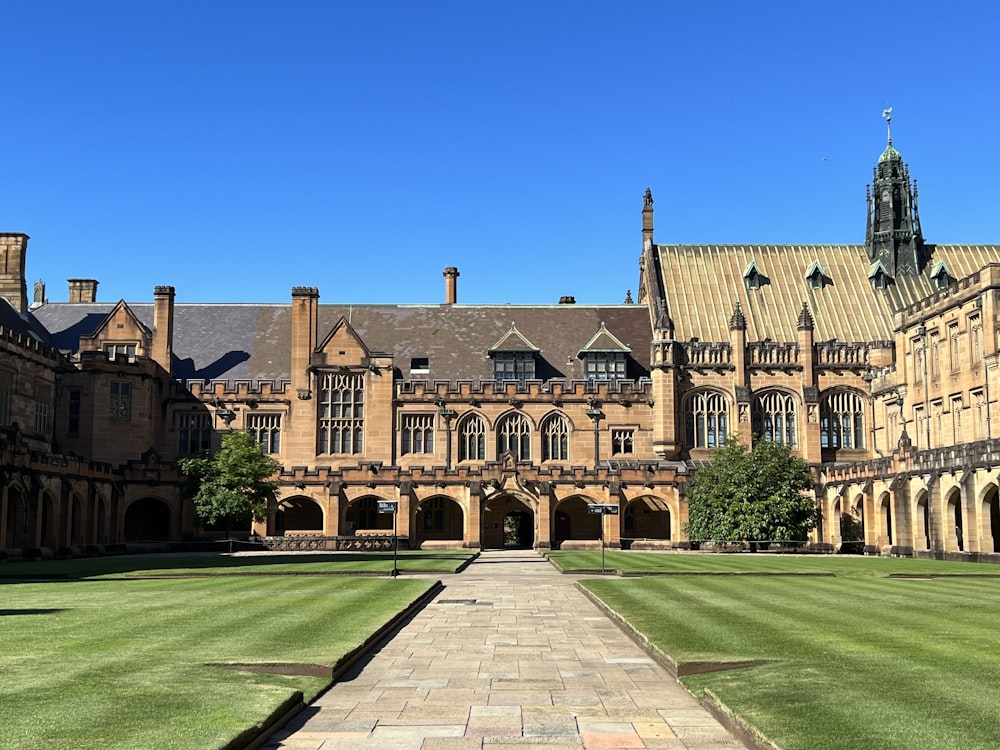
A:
(305, 311)
(83, 290)
(13, 250)
(163, 326)
(451, 275)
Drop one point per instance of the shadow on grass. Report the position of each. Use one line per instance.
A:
(61, 571)
(14, 612)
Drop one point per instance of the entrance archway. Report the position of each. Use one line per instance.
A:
(885, 516)
(17, 520)
(508, 523)
(298, 515)
(147, 519)
(852, 529)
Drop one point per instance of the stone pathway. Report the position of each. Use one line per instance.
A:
(509, 653)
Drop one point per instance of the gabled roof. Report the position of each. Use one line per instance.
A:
(604, 341)
(702, 283)
(253, 341)
(120, 306)
(513, 341)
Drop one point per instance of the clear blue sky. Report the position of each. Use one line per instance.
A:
(237, 149)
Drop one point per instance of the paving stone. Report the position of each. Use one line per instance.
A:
(533, 663)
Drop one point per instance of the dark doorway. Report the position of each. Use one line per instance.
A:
(518, 530)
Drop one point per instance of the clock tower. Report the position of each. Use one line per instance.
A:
(893, 236)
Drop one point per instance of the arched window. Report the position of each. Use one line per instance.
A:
(842, 420)
(555, 439)
(472, 439)
(774, 417)
(706, 420)
(514, 435)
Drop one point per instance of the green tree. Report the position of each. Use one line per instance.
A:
(236, 483)
(751, 494)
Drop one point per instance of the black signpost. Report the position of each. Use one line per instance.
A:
(602, 510)
(391, 506)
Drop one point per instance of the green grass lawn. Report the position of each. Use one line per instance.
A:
(337, 563)
(855, 660)
(125, 663)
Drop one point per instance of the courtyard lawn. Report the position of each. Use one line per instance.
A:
(128, 663)
(856, 659)
(335, 563)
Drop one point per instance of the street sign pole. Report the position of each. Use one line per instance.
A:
(392, 506)
(598, 509)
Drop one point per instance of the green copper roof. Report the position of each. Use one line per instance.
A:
(890, 154)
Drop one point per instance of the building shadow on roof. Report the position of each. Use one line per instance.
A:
(187, 369)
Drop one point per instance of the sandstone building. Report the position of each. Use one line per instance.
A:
(504, 425)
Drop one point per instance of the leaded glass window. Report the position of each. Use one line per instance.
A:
(341, 413)
(774, 417)
(842, 420)
(472, 439)
(706, 420)
(555, 439)
(514, 435)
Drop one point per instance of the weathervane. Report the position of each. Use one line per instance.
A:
(887, 114)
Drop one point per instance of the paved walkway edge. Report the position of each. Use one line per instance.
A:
(748, 735)
(294, 705)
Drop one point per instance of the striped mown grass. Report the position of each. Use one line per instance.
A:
(126, 664)
(857, 659)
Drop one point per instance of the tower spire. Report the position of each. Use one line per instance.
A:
(893, 237)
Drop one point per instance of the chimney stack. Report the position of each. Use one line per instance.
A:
(451, 275)
(82, 290)
(13, 249)
(163, 326)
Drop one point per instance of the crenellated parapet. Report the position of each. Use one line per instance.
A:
(552, 391)
(24, 345)
(240, 390)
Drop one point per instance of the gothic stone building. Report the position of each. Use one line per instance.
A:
(504, 425)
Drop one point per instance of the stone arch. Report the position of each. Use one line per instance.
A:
(17, 519)
(921, 522)
(49, 535)
(953, 522)
(885, 518)
(990, 519)
(647, 517)
(298, 514)
(852, 527)
(361, 517)
(102, 532)
(147, 519)
(572, 521)
(510, 521)
(77, 521)
(438, 518)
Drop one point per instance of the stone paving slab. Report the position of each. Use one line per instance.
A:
(509, 653)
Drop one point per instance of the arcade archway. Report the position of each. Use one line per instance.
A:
(147, 520)
(438, 519)
(646, 518)
(573, 521)
(298, 515)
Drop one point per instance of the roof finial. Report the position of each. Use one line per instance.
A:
(887, 114)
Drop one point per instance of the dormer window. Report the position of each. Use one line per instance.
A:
(114, 351)
(604, 365)
(604, 357)
(878, 276)
(940, 277)
(513, 357)
(519, 366)
(815, 277)
(752, 277)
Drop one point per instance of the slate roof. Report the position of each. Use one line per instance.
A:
(23, 323)
(703, 283)
(252, 341)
